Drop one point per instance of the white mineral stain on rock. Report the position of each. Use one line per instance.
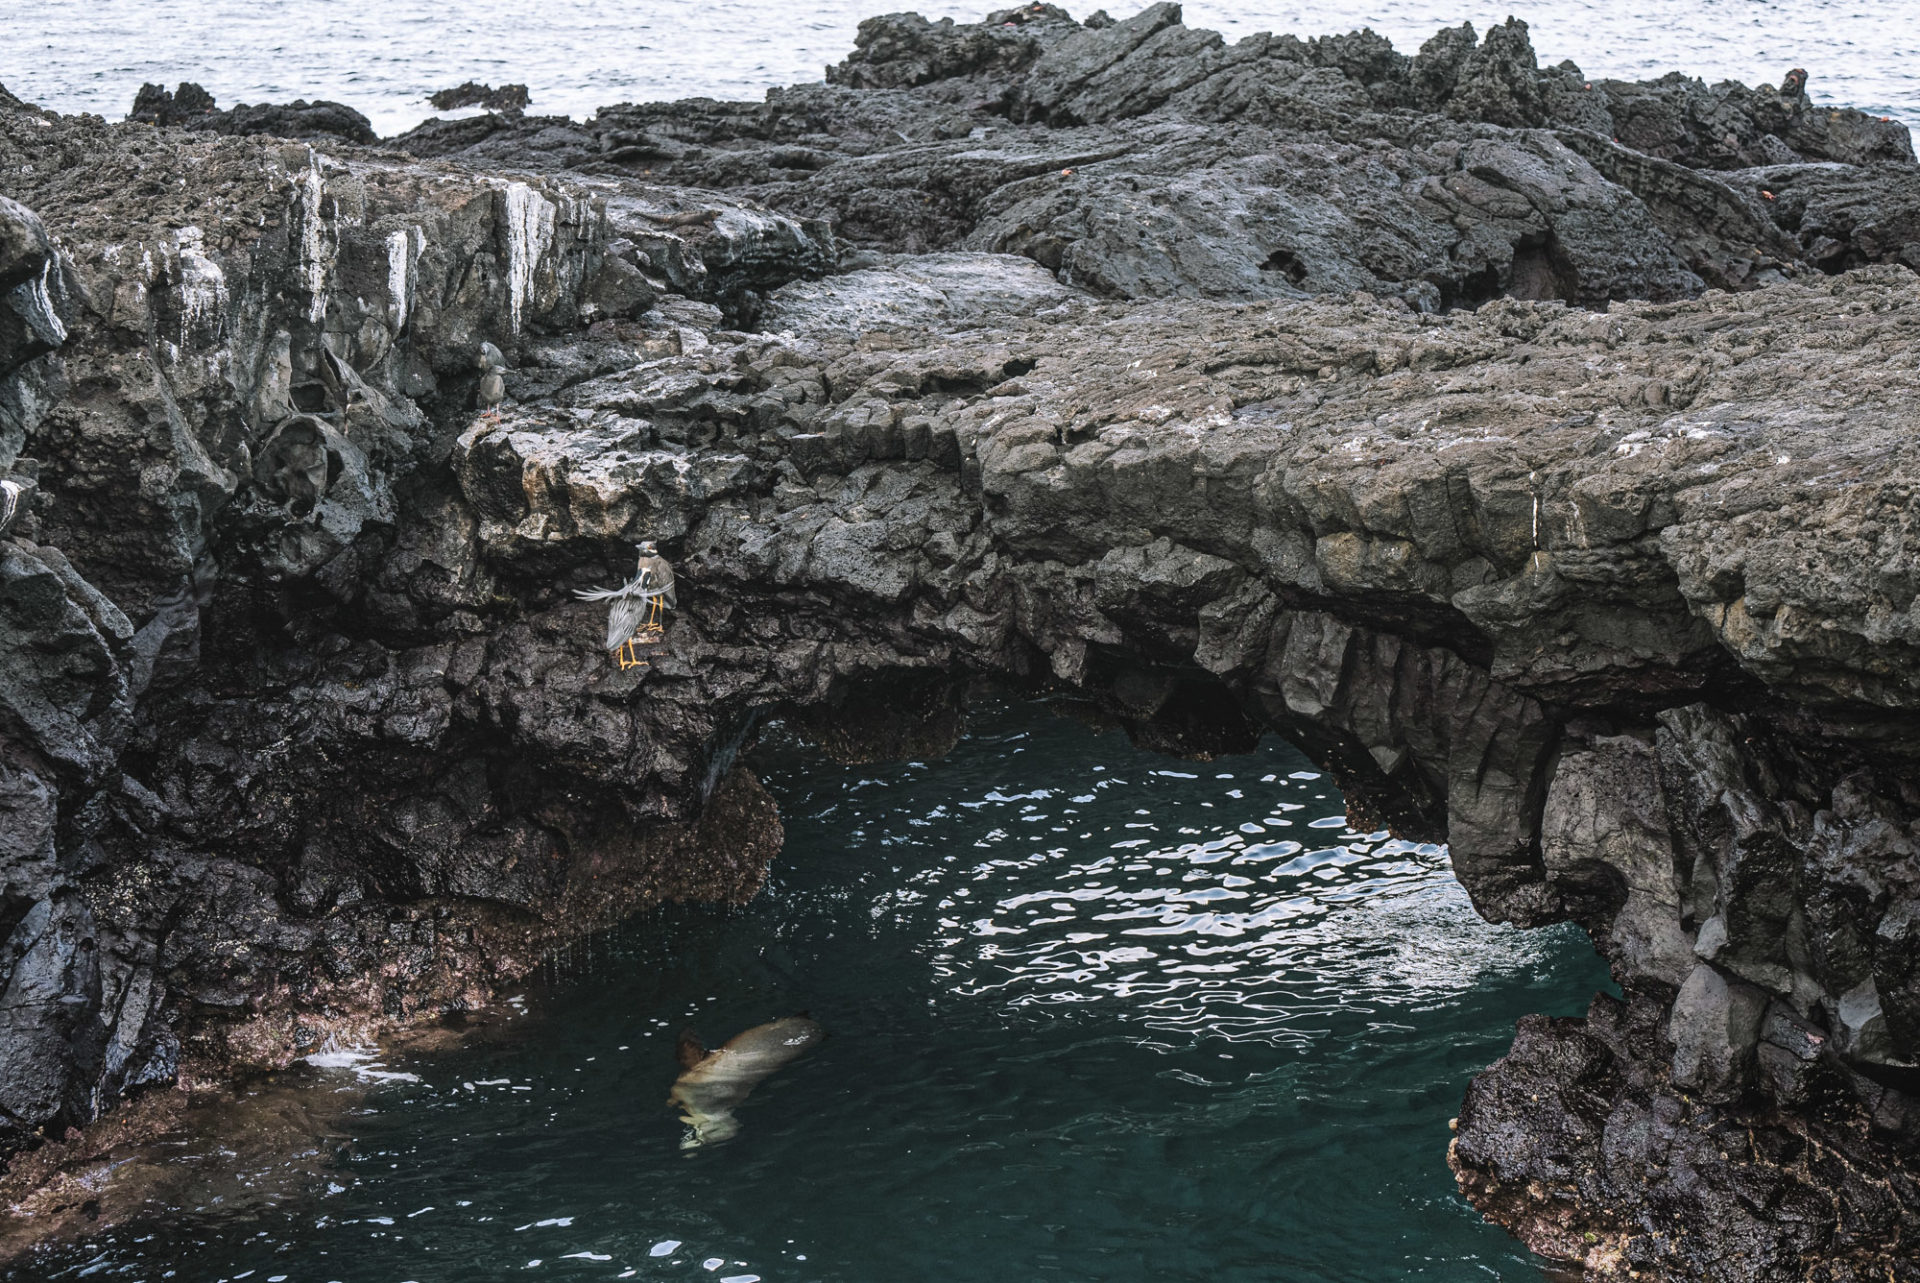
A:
(44, 302)
(201, 283)
(313, 257)
(400, 252)
(530, 224)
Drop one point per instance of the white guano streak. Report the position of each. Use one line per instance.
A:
(202, 285)
(313, 260)
(43, 300)
(530, 222)
(399, 276)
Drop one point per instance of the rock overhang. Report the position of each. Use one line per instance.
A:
(1617, 600)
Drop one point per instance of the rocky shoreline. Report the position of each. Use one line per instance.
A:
(1538, 453)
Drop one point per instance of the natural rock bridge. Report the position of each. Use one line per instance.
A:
(303, 732)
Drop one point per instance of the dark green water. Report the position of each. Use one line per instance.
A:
(1093, 1014)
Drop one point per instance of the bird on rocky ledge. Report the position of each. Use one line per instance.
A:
(640, 598)
(493, 384)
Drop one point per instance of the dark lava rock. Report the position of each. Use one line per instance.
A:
(32, 287)
(1142, 158)
(1728, 126)
(1499, 82)
(191, 107)
(1100, 355)
(186, 105)
(475, 94)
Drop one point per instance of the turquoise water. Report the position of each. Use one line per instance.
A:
(1093, 1014)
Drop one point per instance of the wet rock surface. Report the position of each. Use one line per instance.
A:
(1096, 354)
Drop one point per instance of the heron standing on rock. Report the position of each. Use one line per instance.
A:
(635, 612)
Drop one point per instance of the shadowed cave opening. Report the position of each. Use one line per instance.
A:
(1093, 1008)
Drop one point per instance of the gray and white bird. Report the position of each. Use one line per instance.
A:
(9, 503)
(636, 604)
(493, 384)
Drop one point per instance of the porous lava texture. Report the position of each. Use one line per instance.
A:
(1539, 454)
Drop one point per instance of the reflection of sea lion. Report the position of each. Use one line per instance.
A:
(715, 1082)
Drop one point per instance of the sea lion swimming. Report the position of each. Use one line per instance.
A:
(713, 1083)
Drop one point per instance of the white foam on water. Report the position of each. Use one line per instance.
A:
(665, 1247)
(342, 1057)
(372, 1074)
(362, 1062)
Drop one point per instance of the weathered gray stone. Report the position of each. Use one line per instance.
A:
(1604, 840)
(1715, 1028)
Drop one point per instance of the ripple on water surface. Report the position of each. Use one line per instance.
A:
(1121, 890)
(576, 55)
(1092, 1014)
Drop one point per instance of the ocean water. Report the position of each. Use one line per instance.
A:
(576, 55)
(1091, 1014)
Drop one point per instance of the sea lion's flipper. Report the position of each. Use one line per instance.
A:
(689, 1051)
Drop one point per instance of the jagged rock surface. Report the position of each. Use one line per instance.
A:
(302, 728)
(191, 107)
(472, 93)
(1143, 159)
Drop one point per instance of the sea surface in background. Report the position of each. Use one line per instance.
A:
(1092, 1014)
(576, 55)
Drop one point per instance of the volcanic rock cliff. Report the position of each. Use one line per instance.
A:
(1105, 355)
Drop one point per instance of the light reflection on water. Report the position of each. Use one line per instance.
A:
(577, 55)
(1248, 931)
(1092, 1014)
